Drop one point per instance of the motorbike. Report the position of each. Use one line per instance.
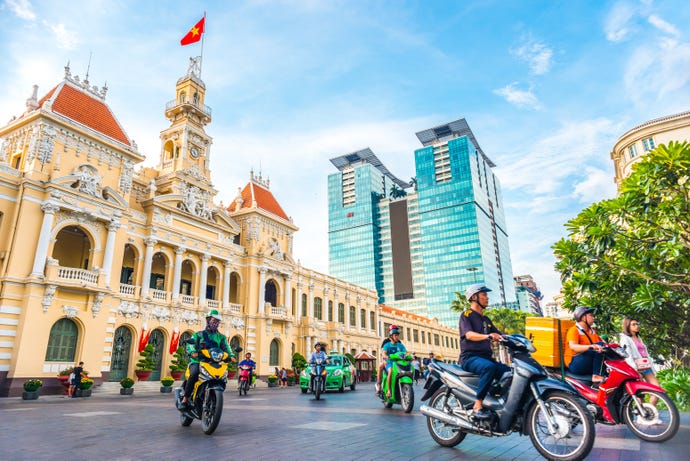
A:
(402, 375)
(525, 400)
(317, 380)
(245, 382)
(625, 398)
(207, 396)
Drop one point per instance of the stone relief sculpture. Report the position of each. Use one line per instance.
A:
(88, 180)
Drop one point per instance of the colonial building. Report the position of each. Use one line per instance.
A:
(637, 141)
(98, 259)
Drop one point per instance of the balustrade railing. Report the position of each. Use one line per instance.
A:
(186, 299)
(128, 290)
(159, 295)
(78, 275)
(235, 308)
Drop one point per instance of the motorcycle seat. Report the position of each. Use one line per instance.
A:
(454, 369)
(584, 378)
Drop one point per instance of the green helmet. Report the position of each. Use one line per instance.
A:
(215, 314)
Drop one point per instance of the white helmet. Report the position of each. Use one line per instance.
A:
(474, 289)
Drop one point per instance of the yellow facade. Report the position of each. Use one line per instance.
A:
(95, 255)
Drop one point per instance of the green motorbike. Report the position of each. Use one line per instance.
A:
(402, 374)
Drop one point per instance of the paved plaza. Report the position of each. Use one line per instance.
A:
(270, 424)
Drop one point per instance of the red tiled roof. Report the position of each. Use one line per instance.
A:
(400, 313)
(85, 109)
(264, 199)
(364, 356)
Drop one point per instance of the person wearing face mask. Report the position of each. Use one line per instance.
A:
(584, 349)
(208, 338)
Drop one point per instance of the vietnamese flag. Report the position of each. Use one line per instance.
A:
(194, 34)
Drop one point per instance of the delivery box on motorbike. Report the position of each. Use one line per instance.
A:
(544, 332)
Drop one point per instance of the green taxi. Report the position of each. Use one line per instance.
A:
(340, 374)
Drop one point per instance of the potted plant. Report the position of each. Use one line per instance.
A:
(126, 388)
(232, 370)
(84, 389)
(272, 379)
(31, 387)
(146, 364)
(299, 362)
(291, 378)
(178, 365)
(166, 384)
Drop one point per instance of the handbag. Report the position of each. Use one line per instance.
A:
(643, 363)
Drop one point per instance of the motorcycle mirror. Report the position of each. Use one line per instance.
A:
(238, 349)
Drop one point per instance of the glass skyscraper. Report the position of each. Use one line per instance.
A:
(418, 243)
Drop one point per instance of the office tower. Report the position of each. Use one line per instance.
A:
(418, 243)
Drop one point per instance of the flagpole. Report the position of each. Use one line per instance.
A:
(201, 60)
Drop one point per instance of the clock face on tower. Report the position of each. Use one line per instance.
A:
(194, 152)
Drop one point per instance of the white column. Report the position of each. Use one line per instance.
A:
(49, 210)
(112, 227)
(226, 285)
(288, 295)
(262, 289)
(177, 273)
(309, 346)
(202, 282)
(310, 301)
(298, 302)
(347, 310)
(148, 259)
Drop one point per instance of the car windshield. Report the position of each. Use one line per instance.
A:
(336, 361)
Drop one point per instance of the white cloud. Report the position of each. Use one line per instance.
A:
(21, 8)
(597, 185)
(537, 55)
(664, 26)
(617, 26)
(518, 97)
(64, 38)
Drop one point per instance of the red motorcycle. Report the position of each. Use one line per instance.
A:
(245, 382)
(624, 397)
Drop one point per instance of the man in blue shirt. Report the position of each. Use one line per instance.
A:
(390, 348)
(317, 354)
(248, 362)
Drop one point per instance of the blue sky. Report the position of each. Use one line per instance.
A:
(546, 86)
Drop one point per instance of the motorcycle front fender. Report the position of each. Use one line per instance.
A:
(631, 387)
(433, 383)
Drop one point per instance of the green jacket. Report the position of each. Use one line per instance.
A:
(211, 339)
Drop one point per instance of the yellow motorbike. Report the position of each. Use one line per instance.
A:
(207, 396)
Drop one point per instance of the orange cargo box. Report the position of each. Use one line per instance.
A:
(543, 332)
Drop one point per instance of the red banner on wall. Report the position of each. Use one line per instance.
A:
(174, 341)
(144, 339)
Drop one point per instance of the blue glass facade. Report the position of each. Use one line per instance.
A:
(454, 225)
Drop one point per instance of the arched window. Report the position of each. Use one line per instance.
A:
(270, 293)
(363, 318)
(304, 304)
(62, 343)
(273, 359)
(341, 312)
(235, 342)
(318, 308)
(372, 320)
(353, 316)
(330, 311)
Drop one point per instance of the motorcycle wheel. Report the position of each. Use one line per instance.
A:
(245, 387)
(406, 397)
(211, 412)
(444, 434)
(185, 420)
(659, 422)
(575, 432)
(304, 390)
(352, 386)
(317, 391)
(342, 386)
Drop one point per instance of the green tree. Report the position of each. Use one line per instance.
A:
(630, 256)
(180, 361)
(460, 303)
(298, 362)
(146, 361)
(508, 321)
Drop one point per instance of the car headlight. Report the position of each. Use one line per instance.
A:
(337, 372)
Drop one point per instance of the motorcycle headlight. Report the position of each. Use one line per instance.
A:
(217, 355)
(303, 373)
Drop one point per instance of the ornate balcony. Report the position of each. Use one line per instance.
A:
(129, 290)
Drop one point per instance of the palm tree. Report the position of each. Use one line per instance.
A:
(460, 303)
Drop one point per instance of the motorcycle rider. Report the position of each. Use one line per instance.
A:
(247, 362)
(318, 354)
(584, 354)
(207, 338)
(476, 334)
(388, 349)
(382, 365)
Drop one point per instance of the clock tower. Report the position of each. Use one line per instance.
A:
(185, 146)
